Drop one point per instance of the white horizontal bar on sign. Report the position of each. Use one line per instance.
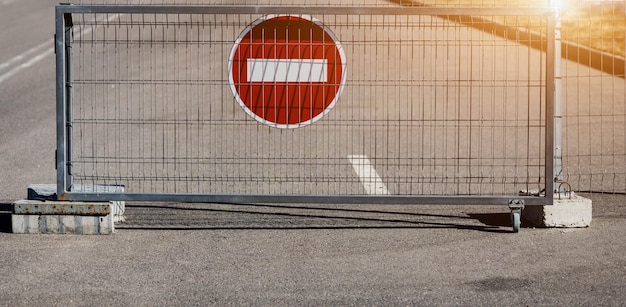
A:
(287, 70)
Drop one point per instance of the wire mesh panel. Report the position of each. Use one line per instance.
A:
(428, 104)
(594, 95)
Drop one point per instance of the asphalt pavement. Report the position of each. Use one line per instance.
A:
(175, 254)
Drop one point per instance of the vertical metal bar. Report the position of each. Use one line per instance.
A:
(63, 31)
(551, 59)
(558, 90)
(60, 99)
(69, 95)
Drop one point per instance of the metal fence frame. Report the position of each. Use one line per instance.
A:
(63, 47)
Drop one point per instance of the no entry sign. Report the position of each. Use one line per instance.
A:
(287, 71)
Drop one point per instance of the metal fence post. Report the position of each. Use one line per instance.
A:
(63, 45)
(558, 94)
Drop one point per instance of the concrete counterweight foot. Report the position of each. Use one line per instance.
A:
(43, 213)
(568, 211)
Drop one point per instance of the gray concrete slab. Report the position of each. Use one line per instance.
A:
(62, 224)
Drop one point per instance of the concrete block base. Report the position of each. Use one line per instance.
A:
(62, 217)
(566, 212)
(43, 213)
(62, 224)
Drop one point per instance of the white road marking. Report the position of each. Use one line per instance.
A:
(26, 64)
(20, 57)
(370, 179)
(36, 58)
(287, 70)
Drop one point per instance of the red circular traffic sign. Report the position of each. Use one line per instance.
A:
(287, 71)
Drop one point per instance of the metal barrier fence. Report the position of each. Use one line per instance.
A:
(394, 104)
(593, 114)
(594, 95)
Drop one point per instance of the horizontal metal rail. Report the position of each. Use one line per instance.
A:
(269, 9)
(311, 199)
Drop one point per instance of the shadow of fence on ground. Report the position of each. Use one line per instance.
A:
(283, 217)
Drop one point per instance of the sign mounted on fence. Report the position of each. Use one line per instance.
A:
(287, 71)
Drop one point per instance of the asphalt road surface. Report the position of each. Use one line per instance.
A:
(176, 254)
(173, 254)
